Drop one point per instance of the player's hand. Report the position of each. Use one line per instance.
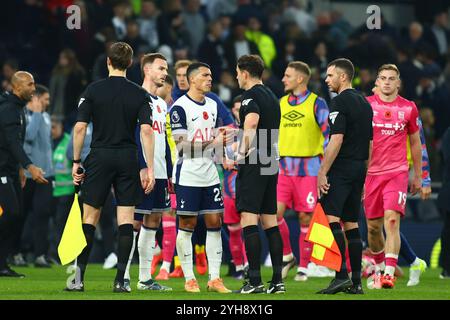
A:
(170, 188)
(416, 185)
(228, 164)
(23, 178)
(322, 184)
(425, 192)
(151, 181)
(77, 177)
(37, 174)
(144, 178)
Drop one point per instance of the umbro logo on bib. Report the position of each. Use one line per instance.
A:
(333, 116)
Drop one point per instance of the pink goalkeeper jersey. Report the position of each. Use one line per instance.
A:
(392, 123)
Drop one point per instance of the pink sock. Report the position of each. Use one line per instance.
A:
(378, 257)
(304, 247)
(237, 245)
(169, 225)
(284, 231)
(391, 263)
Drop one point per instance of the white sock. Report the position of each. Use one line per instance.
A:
(213, 250)
(184, 250)
(146, 245)
(165, 266)
(390, 270)
(416, 262)
(288, 257)
(240, 267)
(127, 270)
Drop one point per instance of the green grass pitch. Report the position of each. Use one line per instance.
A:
(47, 284)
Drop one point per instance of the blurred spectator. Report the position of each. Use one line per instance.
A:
(365, 81)
(296, 12)
(133, 37)
(66, 84)
(428, 121)
(237, 45)
(288, 53)
(273, 82)
(211, 50)
(438, 35)
(264, 42)
(227, 88)
(178, 36)
(9, 68)
(100, 70)
(225, 20)
(197, 25)
(217, 8)
(122, 10)
(149, 23)
(414, 39)
(340, 30)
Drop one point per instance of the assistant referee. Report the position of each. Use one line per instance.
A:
(115, 106)
(256, 181)
(343, 170)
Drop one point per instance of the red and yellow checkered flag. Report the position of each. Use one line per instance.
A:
(325, 250)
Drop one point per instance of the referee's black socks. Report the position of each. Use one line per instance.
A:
(82, 260)
(276, 252)
(124, 248)
(253, 250)
(340, 240)
(355, 251)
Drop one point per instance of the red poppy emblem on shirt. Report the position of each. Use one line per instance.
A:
(387, 114)
(205, 115)
(158, 108)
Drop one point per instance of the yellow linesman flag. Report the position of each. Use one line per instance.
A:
(325, 250)
(73, 240)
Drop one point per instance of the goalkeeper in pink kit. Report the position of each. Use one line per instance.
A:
(386, 185)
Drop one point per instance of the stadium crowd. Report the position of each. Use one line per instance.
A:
(63, 61)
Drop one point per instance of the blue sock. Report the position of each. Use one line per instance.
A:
(406, 251)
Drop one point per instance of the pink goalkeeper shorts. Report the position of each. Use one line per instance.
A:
(297, 193)
(385, 192)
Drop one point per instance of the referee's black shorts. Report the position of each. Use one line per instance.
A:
(255, 193)
(346, 179)
(106, 167)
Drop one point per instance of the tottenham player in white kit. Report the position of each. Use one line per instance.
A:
(148, 213)
(193, 120)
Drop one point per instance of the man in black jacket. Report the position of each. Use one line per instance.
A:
(13, 161)
(444, 205)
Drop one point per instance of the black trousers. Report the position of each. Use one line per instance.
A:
(445, 242)
(11, 218)
(37, 209)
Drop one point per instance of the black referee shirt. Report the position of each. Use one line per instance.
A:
(113, 105)
(351, 115)
(261, 100)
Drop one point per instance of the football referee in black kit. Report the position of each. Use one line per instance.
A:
(256, 182)
(115, 106)
(343, 170)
